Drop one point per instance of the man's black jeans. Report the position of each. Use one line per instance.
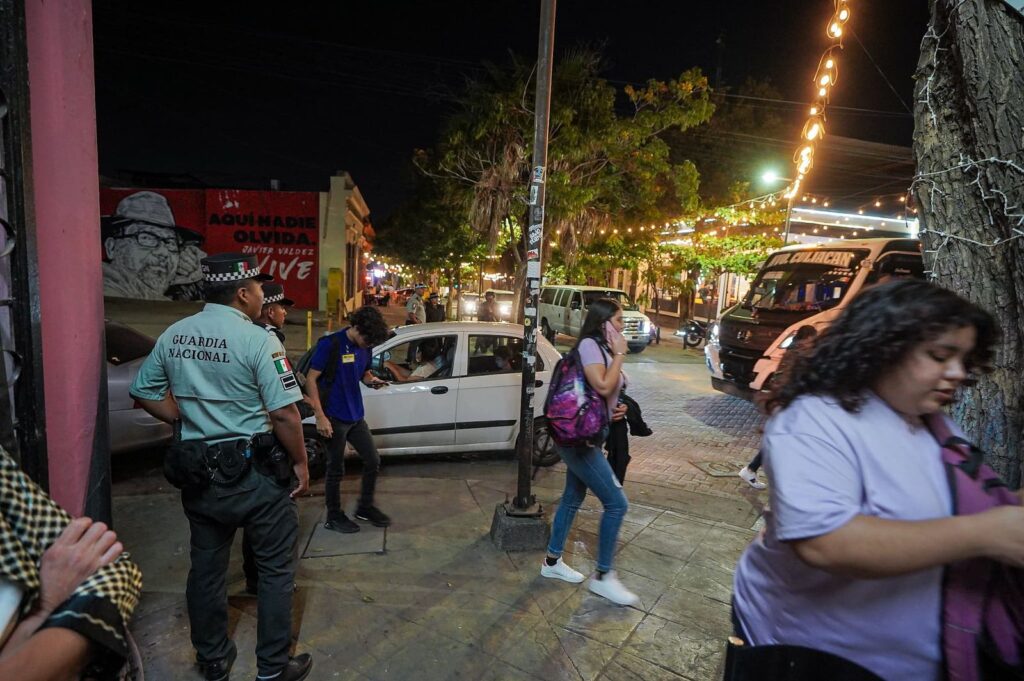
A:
(358, 434)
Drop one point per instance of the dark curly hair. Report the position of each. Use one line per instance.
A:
(370, 324)
(875, 333)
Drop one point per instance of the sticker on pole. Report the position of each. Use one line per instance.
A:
(533, 269)
(538, 174)
(534, 191)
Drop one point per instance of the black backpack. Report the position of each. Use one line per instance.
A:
(325, 379)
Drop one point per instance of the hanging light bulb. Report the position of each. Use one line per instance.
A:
(814, 128)
(835, 30)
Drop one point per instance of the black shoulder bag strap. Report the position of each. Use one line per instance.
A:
(326, 379)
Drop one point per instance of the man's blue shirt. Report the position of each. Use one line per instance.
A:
(343, 400)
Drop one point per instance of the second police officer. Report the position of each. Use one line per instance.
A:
(239, 459)
(272, 316)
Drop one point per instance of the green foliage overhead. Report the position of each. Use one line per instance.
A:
(604, 166)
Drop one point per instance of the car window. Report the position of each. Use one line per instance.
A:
(494, 354)
(410, 356)
(560, 299)
(576, 298)
(548, 295)
(125, 344)
(896, 266)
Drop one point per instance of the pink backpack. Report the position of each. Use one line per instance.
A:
(575, 412)
(982, 600)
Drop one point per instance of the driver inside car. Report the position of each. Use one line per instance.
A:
(429, 361)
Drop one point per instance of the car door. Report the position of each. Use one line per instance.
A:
(575, 312)
(417, 415)
(488, 404)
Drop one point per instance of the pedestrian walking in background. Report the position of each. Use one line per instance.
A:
(488, 311)
(860, 523)
(800, 344)
(229, 384)
(415, 311)
(602, 349)
(339, 366)
(434, 308)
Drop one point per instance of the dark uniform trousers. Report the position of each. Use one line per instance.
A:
(268, 515)
(358, 433)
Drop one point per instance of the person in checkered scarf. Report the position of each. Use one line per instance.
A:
(67, 589)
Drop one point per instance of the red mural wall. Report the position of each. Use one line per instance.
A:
(153, 239)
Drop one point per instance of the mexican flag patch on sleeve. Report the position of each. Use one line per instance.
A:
(284, 372)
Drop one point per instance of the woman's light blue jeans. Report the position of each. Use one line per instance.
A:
(588, 469)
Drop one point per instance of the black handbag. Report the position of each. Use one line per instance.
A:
(788, 663)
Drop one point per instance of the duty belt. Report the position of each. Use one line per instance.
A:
(229, 462)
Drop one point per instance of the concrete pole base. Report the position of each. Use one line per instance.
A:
(517, 533)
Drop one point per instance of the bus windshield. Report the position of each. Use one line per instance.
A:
(804, 281)
(618, 296)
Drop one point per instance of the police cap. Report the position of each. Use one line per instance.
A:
(274, 293)
(228, 267)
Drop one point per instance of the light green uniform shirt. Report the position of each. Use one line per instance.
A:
(225, 372)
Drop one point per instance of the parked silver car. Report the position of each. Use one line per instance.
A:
(130, 426)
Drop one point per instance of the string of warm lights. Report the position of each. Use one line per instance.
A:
(825, 77)
(989, 195)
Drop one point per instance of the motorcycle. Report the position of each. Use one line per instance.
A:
(693, 333)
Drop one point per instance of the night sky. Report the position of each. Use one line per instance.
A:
(295, 91)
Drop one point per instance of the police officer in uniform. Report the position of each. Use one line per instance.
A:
(228, 382)
(275, 309)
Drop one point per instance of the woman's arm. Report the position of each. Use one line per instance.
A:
(401, 374)
(604, 379)
(53, 654)
(871, 548)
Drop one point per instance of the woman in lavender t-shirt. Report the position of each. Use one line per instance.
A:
(602, 348)
(860, 522)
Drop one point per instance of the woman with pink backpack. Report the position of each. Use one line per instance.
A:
(582, 400)
(860, 571)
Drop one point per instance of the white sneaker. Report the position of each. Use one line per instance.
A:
(751, 478)
(611, 588)
(560, 571)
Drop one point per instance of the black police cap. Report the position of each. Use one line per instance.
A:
(274, 293)
(228, 267)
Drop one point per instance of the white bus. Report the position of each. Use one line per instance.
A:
(798, 285)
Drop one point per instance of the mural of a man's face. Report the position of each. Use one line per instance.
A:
(148, 252)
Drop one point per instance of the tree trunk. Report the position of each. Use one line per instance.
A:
(969, 113)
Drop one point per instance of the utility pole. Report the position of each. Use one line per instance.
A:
(519, 525)
(525, 503)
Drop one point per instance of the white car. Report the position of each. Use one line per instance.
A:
(469, 404)
(130, 427)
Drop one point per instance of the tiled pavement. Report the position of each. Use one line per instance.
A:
(442, 603)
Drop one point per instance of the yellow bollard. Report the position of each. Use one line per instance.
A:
(309, 330)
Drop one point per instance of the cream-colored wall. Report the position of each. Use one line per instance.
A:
(342, 211)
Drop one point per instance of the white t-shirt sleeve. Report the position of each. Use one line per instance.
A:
(424, 370)
(816, 485)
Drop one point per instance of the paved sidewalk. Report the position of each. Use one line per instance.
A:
(433, 598)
